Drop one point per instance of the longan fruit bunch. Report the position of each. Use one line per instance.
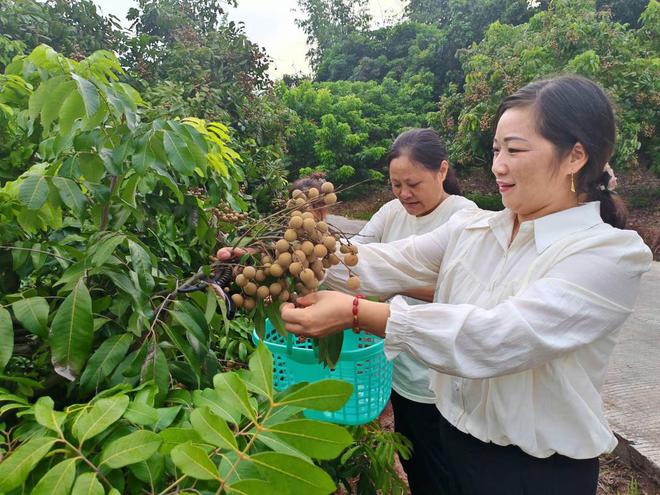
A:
(292, 262)
(224, 213)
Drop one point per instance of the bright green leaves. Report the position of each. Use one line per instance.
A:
(32, 313)
(70, 193)
(88, 93)
(292, 475)
(324, 395)
(72, 332)
(212, 428)
(130, 449)
(6, 338)
(194, 462)
(33, 191)
(59, 480)
(47, 416)
(177, 151)
(16, 468)
(231, 387)
(314, 438)
(261, 368)
(87, 484)
(103, 414)
(103, 362)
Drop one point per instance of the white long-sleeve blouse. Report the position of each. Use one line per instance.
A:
(520, 333)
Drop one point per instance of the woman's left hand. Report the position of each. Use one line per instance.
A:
(318, 314)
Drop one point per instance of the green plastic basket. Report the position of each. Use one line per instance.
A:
(362, 363)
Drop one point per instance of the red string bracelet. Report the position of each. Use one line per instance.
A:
(356, 302)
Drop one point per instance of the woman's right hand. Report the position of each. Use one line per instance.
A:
(231, 253)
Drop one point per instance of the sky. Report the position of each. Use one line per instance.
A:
(271, 24)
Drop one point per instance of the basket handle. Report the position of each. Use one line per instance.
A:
(289, 343)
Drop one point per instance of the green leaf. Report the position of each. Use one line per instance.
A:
(91, 166)
(220, 405)
(178, 153)
(155, 368)
(72, 332)
(102, 363)
(103, 414)
(143, 161)
(324, 395)
(57, 481)
(47, 416)
(129, 190)
(194, 462)
(141, 265)
(33, 192)
(104, 250)
(43, 94)
(273, 442)
(32, 313)
(261, 368)
(166, 415)
(89, 94)
(87, 484)
(212, 428)
(292, 475)
(6, 338)
(130, 449)
(229, 385)
(16, 467)
(250, 487)
(151, 470)
(314, 438)
(72, 109)
(141, 414)
(51, 108)
(70, 193)
(172, 437)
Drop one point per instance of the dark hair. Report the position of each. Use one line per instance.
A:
(569, 110)
(425, 147)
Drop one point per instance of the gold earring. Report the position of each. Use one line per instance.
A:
(572, 182)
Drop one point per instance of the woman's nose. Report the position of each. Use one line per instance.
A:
(499, 166)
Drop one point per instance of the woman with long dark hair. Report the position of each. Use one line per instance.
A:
(527, 307)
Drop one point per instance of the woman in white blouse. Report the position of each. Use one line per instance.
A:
(528, 303)
(427, 195)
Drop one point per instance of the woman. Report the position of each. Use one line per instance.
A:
(304, 184)
(529, 301)
(427, 195)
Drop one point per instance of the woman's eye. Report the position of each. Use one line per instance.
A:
(495, 151)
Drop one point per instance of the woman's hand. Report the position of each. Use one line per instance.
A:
(229, 253)
(319, 314)
(327, 312)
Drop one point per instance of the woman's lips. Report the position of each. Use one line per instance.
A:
(504, 186)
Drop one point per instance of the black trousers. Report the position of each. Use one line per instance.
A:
(446, 461)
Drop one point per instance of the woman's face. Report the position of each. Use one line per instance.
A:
(419, 189)
(533, 180)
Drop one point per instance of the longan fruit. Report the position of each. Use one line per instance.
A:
(260, 276)
(353, 248)
(299, 255)
(330, 199)
(284, 260)
(308, 214)
(276, 270)
(312, 193)
(320, 250)
(296, 222)
(249, 272)
(241, 280)
(275, 288)
(307, 248)
(290, 235)
(250, 288)
(295, 268)
(311, 284)
(237, 299)
(327, 187)
(307, 275)
(350, 260)
(297, 193)
(300, 201)
(326, 263)
(353, 283)
(282, 245)
(334, 259)
(291, 203)
(344, 249)
(296, 213)
(263, 292)
(249, 303)
(322, 226)
(265, 260)
(284, 296)
(309, 224)
(330, 243)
